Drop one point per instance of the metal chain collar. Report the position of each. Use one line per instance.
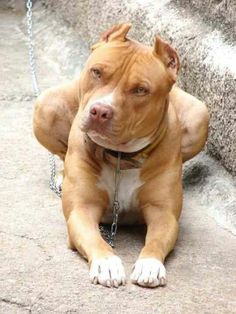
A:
(108, 236)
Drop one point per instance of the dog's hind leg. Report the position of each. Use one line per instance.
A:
(194, 118)
(54, 112)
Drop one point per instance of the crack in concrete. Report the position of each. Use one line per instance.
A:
(24, 97)
(24, 236)
(5, 300)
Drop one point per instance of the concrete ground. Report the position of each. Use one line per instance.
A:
(38, 273)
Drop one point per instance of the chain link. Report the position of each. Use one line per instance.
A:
(109, 236)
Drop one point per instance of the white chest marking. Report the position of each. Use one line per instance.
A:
(127, 192)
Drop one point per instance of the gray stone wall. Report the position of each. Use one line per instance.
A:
(202, 32)
(220, 14)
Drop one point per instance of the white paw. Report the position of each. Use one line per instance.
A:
(149, 272)
(109, 272)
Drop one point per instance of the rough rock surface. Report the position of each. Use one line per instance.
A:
(220, 14)
(202, 32)
(38, 274)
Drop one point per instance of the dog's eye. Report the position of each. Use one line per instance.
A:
(140, 91)
(96, 73)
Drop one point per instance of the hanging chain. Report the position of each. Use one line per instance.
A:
(57, 189)
(109, 236)
(31, 47)
(52, 162)
(116, 204)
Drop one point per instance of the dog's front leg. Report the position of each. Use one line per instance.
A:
(105, 267)
(162, 231)
(83, 205)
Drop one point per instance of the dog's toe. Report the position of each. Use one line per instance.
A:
(108, 272)
(149, 272)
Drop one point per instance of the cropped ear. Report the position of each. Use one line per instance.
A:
(116, 32)
(168, 56)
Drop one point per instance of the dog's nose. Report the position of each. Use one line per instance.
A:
(101, 113)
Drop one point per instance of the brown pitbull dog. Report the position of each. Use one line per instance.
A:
(124, 101)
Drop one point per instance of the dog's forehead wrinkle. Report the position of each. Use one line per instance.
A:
(132, 66)
(139, 71)
(111, 54)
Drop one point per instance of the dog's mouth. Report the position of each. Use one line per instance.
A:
(100, 129)
(127, 147)
(101, 138)
(109, 136)
(101, 134)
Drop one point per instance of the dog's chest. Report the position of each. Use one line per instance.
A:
(127, 190)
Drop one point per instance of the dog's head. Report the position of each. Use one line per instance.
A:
(124, 90)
